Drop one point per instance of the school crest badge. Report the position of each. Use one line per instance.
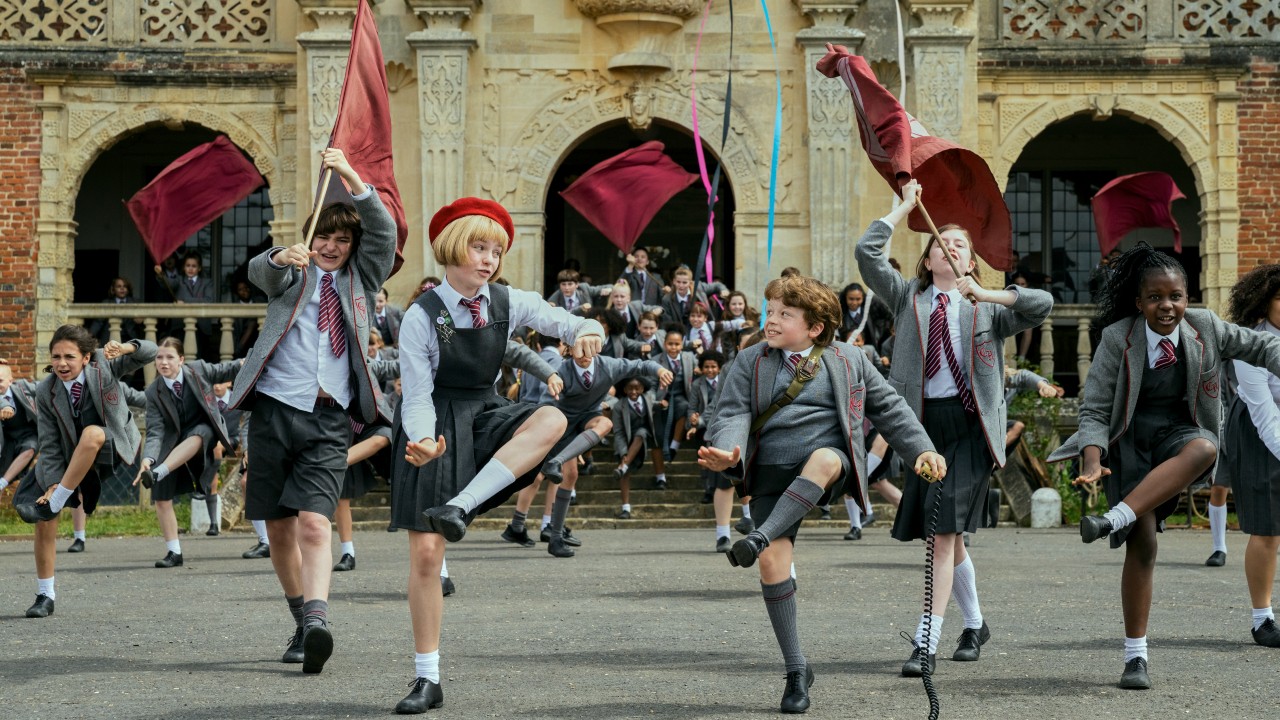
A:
(362, 312)
(112, 397)
(857, 399)
(986, 354)
(1210, 387)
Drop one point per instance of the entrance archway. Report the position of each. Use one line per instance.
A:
(676, 232)
(107, 243)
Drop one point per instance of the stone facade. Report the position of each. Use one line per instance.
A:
(489, 98)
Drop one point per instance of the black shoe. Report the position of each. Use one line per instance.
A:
(293, 652)
(1135, 675)
(868, 520)
(317, 646)
(724, 544)
(261, 550)
(447, 587)
(745, 551)
(43, 607)
(795, 698)
(558, 548)
(1217, 559)
(569, 538)
(171, 559)
(34, 512)
(853, 534)
(708, 497)
(1267, 634)
(826, 514)
(77, 545)
(520, 538)
(624, 515)
(588, 469)
(551, 471)
(659, 484)
(423, 695)
(618, 472)
(147, 478)
(345, 563)
(446, 520)
(1093, 527)
(744, 525)
(668, 455)
(212, 531)
(971, 642)
(573, 500)
(913, 667)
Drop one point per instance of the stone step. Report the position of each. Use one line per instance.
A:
(495, 524)
(657, 511)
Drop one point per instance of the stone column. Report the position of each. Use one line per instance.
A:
(442, 50)
(324, 55)
(944, 74)
(1219, 202)
(834, 149)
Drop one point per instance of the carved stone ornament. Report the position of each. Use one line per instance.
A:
(444, 15)
(639, 106)
(640, 28)
(332, 17)
(398, 76)
(828, 13)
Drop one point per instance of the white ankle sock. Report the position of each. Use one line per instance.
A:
(174, 546)
(661, 477)
(935, 633)
(546, 521)
(427, 665)
(1135, 648)
(722, 531)
(78, 534)
(626, 507)
(444, 567)
(1218, 526)
(746, 511)
(624, 468)
(1260, 615)
(160, 471)
(260, 527)
(964, 588)
(60, 497)
(44, 586)
(490, 481)
(349, 548)
(855, 512)
(1120, 516)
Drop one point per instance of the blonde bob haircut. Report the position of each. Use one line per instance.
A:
(450, 247)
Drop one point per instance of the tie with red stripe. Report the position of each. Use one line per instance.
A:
(77, 390)
(222, 406)
(177, 389)
(331, 316)
(939, 346)
(1167, 355)
(586, 379)
(357, 427)
(792, 361)
(477, 320)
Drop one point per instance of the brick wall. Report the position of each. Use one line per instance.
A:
(19, 204)
(1259, 165)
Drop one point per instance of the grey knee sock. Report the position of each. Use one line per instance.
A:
(517, 520)
(315, 612)
(295, 608)
(797, 500)
(559, 510)
(780, 601)
(585, 440)
(211, 504)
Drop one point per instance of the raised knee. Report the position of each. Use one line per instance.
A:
(93, 436)
(826, 462)
(1205, 452)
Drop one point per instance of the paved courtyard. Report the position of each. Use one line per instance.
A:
(642, 624)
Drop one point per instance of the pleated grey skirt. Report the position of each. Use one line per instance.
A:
(1254, 472)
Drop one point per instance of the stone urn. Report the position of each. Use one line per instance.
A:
(642, 29)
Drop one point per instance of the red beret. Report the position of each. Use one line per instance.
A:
(471, 206)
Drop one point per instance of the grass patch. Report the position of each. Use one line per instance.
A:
(108, 521)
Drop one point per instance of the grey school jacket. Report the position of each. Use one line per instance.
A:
(576, 399)
(164, 410)
(982, 332)
(1111, 392)
(56, 425)
(625, 425)
(860, 393)
(289, 288)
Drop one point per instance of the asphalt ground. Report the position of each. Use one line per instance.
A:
(641, 624)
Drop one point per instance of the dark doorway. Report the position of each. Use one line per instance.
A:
(108, 244)
(676, 231)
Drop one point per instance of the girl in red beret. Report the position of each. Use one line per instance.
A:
(461, 448)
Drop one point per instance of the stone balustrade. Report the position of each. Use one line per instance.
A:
(1052, 22)
(194, 24)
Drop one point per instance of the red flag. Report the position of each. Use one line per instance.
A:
(362, 126)
(621, 195)
(191, 193)
(958, 183)
(1140, 200)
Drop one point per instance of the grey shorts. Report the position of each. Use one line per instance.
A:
(297, 459)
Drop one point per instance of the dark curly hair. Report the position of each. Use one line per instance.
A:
(1116, 299)
(1251, 297)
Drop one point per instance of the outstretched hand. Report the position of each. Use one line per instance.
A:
(665, 377)
(1090, 473)
(298, 255)
(555, 384)
(827, 64)
(717, 460)
(421, 453)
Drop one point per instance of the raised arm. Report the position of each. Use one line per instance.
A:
(524, 358)
(1259, 349)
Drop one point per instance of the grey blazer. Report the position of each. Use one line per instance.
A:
(653, 285)
(624, 423)
(703, 400)
(576, 399)
(56, 425)
(1111, 392)
(1023, 380)
(982, 332)
(24, 394)
(860, 393)
(164, 414)
(687, 363)
(390, 333)
(289, 288)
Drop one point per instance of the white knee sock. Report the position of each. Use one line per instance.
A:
(1120, 516)
(935, 633)
(964, 589)
(44, 586)
(1218, 526)
(490, 481)
(260, 527)
(1135, 648)
(855, 512)
(427, 665)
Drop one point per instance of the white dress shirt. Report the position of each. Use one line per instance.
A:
(303, 363)
(701, 333)
(1153, 342)
(1260, 391)
(943, 384)
(420, 346)
(180, 378)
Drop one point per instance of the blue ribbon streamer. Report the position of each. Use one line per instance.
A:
(777, 132)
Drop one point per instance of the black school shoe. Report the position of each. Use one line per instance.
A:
(261, 550)
(913, 667)
(795, 697)
(1217, 559)
(447, 520)
(34, 512)
(317, 646)
(345, 563)
(1267, 634)
(447, 587)
(1135, 675)
(293, 651)
(1093, 527)
(77, 546)
(745, 551)
(423, 695)
(43, 607)
(853, 534)
(520, 538)
(569, 538)
(724, 544)
(971, 642)
(171, 559)
(744, 525)
(551, 471)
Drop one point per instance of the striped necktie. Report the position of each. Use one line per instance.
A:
(792, 361)
(77, 391)
(939, 346)
(586, 379)
(477, 320)
(1167, 355)
(331, 316)
(177, 389)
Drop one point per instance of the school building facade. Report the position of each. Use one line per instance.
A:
(513, 99)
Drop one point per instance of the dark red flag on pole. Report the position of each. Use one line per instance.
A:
(362, 126)
(621, 195)
(958, 185)
(191, 193)
(1129, 202)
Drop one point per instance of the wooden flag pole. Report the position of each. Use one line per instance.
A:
(937, 237)
(315, 205)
